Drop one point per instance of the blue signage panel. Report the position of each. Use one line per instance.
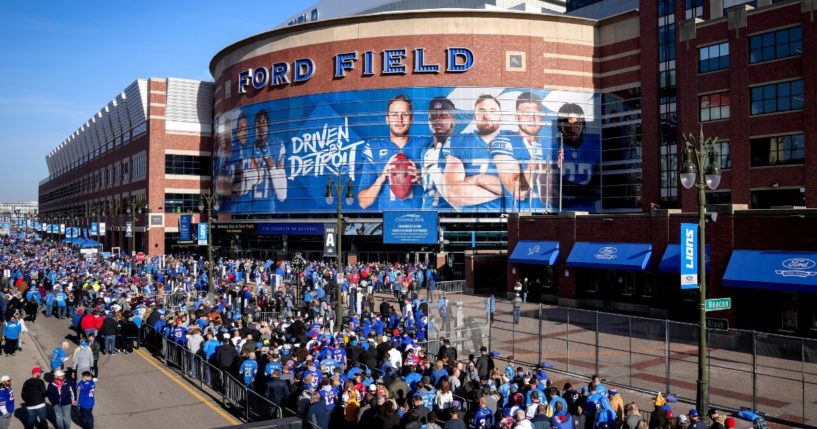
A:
(689, 256)
(289, 229)
(94, 228)
(202, 234)
(416, 227)
(411, 149)
(184, 227)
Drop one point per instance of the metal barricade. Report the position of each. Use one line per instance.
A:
(259, 408)
(451, 286)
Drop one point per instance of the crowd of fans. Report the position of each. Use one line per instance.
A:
(273, 326)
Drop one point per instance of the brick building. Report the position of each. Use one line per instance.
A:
(148, 149)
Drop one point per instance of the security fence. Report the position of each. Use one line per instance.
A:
(452, 286)
(232, 393)
(772, 373)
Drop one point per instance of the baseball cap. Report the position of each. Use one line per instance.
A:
(440, 104)
(693, 413)
(36, 371)
(372, 388)
(59, 373)
(4, 378)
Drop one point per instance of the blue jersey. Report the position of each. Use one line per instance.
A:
(483, 419)
(248, 370)
(581, 181)
(242, 158)
(6, 401)
(275, 151)
(330, 365)
(535, 160)
(477, 158)
(85, 394)
(272, 366)
(338, 354)
(328, 396)
(60, 299)
(376, 154)
(180, 335)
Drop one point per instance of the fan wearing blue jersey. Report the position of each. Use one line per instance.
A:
(441, 122)
(379, 157)
(249, 368)
(470, 177)
(268, 162)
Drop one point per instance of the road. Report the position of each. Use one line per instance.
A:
(133, 390)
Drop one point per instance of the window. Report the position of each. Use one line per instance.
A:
(718, 197)
(187, 165)
(769, 198)
(732, 3)
(714, 107)
(666, 43)
(666, 79)
(778, 150)
(724, 154)
(713, 57)
(182, 203)
(776, 44)
(693, 9)
(777, 97)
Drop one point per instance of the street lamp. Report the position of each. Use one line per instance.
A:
(330, 198)
(208, 201)
(133, 207)
(699, 153)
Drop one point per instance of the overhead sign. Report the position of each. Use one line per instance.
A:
(718, 304)
(689, 256)
(94, 229)
(62, 228)
(128, 229)
(415, 227)
(184, 227)
(102, 228)
(202, 234)
(330, 240)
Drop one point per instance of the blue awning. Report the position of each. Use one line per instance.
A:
(671, 261)
(776, 270)
(613, 256)
(535, 252)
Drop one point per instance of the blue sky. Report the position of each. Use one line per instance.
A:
(63, 61)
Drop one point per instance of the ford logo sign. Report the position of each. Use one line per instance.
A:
(798, 264)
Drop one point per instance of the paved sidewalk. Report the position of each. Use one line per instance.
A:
(133, 390)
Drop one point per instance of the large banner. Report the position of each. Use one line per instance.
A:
(689, 256)
(492, 150)
(184, 227)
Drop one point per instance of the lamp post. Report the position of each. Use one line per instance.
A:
(332, 188)
(208, 201)
(701, 169)
(133, 207)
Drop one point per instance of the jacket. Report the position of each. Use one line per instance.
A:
(277, 391)
(540, 421)
(108, 327)
(318, 415)
(61, 394)
(83, 358)
(33, 393)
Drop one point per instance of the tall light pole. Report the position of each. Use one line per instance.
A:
(209, 202)
(133, 207)
(332, 188)
(701, 169)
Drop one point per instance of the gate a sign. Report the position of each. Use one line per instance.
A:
(330, 239)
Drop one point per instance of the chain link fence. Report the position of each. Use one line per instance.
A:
(771, 373)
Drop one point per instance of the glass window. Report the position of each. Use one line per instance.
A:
(187, 165)
(724, 154)
(732, 3)
(768, 198)
(182, 203)
(713, 57)
(778, 150)
(777, 97)
(783, 43)
(693, 9)
(718, 197)
(714, 107)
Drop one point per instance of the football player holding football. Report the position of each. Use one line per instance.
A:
(393, 160)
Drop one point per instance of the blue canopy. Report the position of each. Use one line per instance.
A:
(671, 261)
(613, 256)
(535, 252)
(86, 243)
(775, 270)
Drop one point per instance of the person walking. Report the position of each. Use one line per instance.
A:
(490, 308)
(11, 332)
(86, 391)
(61, 300)
(93, 344)
(6, 402)
(108, 332)
(59, 356)
(517, 309)
(83, 359)
(34, 399)
(61, 395)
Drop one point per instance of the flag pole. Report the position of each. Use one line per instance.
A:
(561, 164)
